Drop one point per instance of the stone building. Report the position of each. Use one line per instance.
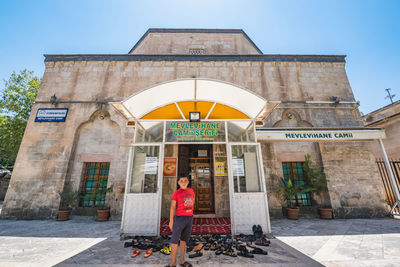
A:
(387, 118)
(124, 120)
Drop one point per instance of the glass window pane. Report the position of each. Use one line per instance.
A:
(241, 131)
(295, 172)
(246, 176)
(149, 132)
(144, 174)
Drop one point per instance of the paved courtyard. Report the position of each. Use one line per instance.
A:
(306, 242)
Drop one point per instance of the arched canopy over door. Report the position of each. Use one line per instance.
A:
(175, 99)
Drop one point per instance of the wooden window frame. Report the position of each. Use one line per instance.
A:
(95, 201)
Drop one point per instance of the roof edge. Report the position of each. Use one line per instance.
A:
(192, 30)
(382, 108)
(136, 57)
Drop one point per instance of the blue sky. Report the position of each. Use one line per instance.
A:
(368, 32)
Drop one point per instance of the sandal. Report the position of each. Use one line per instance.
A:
(196, 254)
(128, 244)
(245, 253)
(262, 242)
(135, 253)
(207, 246)
(229, 252)
(148, 253)
(251, 245)
(198, 247)
(166, 250)
(186, 264)
(259, 251)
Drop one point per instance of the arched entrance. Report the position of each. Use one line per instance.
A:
(229, 150)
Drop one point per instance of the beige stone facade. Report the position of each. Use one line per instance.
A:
(53, 154)
(388, 118)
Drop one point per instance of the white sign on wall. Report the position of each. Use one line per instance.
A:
(237, 167)
(151, 165)
(321, 135)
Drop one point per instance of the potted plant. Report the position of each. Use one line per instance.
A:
(288, 191)
(318, 183)
(67, 200)
(103, 209)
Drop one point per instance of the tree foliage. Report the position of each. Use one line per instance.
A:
(16, 101)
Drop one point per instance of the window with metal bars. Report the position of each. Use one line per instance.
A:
(95, 180)
(295, 171)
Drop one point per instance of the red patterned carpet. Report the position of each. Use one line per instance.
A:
(203, 226)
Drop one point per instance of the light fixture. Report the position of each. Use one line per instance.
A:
(53, 99)
(194, 116)
(336, 100)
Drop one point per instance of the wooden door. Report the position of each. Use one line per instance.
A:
(203, 187)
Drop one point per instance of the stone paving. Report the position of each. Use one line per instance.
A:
(306, 242)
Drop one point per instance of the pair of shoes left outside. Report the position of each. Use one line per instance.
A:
(147, 254)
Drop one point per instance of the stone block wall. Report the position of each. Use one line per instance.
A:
(273, 156)
(49, 156)
(355, 188)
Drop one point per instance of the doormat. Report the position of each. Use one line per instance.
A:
(202, 226)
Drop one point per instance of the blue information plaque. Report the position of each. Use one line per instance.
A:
(51, 114)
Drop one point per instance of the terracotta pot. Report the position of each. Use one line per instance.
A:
(292, 214)
(103, 215)
(325, 213)
(63, 215)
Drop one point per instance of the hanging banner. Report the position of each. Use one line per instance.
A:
(150, 166)
(169, 167)
(219, 168)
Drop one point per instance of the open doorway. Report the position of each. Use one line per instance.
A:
(206, 166)
(195, 160)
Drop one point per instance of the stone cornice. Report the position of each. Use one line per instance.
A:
(249, 58)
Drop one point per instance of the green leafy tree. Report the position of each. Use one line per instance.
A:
(16, 101)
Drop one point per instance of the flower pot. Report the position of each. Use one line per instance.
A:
(63, 215)
(325, 213)
(103, 215)
(292, 214)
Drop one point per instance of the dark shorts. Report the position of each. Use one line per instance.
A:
(181, 229)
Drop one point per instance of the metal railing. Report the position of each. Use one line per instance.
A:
(395, 165)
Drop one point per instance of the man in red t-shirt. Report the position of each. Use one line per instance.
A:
(181, 224)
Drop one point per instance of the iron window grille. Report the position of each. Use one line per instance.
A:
(295, 171)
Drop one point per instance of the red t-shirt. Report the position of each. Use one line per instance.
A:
(184, 201)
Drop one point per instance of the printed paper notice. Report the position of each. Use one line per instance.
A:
(237, 167)
(220, 169)
(150, 166)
